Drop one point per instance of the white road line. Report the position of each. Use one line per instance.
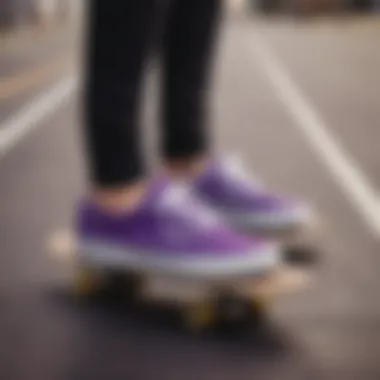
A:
(19, 125)
(345, 170)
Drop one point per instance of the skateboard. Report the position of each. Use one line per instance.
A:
(202, 303)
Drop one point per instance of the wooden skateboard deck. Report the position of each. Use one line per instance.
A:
(198, 297)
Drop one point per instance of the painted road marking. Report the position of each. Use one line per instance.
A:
(18, 126)
(29, 77)
(345, 170)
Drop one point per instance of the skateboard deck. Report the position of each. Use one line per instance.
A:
(199, 299)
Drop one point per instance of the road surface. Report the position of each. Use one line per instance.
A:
(301, 104)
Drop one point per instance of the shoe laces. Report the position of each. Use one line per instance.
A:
(179, 199)
(235, 170)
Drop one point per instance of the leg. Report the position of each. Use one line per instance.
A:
(120, 33)
(188, 51)
(189, 40)
(169, 225)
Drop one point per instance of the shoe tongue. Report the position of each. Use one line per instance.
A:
(156, 188)
(231, 168)
(162, 189)
(177, 198)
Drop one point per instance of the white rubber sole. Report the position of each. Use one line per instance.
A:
(196, 265)
(302, 220)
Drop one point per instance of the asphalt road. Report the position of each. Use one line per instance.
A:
(279, 85)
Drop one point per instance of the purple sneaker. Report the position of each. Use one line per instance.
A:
(170, 231)
(226, 187)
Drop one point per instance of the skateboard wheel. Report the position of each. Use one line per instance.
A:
(133, 285)
(120, 285)
(86, 281)
(200, 316)
(233, 308)
(260, 304)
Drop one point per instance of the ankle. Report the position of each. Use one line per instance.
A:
(185, 168)
(119, 199)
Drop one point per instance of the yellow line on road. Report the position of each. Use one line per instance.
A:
(14, 85)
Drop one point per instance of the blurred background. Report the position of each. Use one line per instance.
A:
(298, 96)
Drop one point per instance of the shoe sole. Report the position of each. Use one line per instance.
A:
(192, 265)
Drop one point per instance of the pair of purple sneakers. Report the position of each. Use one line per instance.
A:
(191, 228)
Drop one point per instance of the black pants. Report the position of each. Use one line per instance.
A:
(122, 37)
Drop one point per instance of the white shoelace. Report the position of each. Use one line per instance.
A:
(234, 169)
(179, 200)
